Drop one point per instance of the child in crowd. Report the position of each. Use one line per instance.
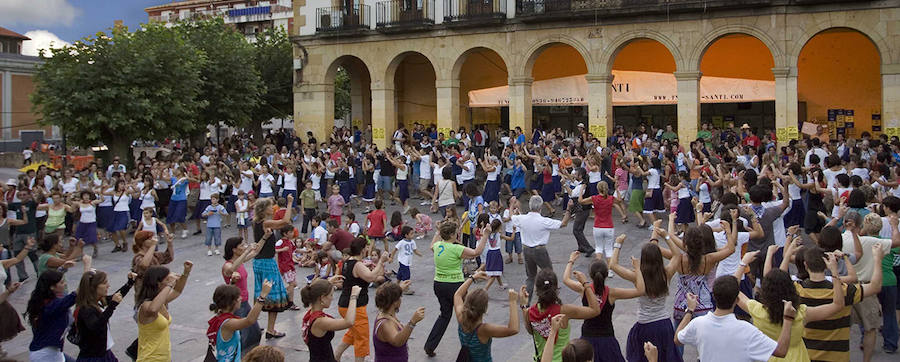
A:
(213, 213)
(352, 225)
(396, 225)
(512, 237)
(308, 204)
(242, 215)
(373, 254)
(494, 259)
(320, 232)
(423, 223)
(404, 250)
(449, 215)
(336, 203)
(152, 224)
(376, 222)
(323, 267)
(285, 249)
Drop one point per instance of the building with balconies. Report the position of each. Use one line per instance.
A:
(554, 63)
(248, 16)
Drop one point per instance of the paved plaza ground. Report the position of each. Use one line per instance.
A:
(190, 311)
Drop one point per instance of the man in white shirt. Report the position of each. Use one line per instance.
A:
(535, 231)
(719, 336)
(115, 167)
(818, 151)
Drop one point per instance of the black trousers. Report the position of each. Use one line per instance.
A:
(578, 230)
(444, 293)
(308, 215)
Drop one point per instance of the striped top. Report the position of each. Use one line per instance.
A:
(829, 339)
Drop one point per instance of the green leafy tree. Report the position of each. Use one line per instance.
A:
(342, 102)
(230, 87)
(118, 87)
(273, 58)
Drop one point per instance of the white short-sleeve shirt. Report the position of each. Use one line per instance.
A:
(534, 228)
(725, 338)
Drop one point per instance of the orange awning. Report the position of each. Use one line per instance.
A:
(630, 88)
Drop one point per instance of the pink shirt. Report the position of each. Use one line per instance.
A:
(335, 205)
(621, 179)
(241, 284)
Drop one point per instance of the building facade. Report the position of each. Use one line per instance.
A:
(422, 61)
(19, 123)
(247, 16)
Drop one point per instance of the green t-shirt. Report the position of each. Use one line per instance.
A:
(669, 135)
(308, 198)
(448, 262)
(887, 268)
(705, 135)
(451, 141)
(562, 339)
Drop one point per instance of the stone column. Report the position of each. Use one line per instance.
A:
(520, 104)
(447, 105)
(890, 95)
(384, 115)
(600, 111)
(360, 103)
(688, 106)
(6, 104)
(786, 112)
(314, 108)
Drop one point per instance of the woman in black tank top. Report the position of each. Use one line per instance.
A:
(356, 273)
(264, 265)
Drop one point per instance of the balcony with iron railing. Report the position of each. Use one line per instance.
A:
(342, 20)
(404, 15)
(544, 10)
(474, 12)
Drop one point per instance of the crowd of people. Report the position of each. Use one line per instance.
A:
(771, 250)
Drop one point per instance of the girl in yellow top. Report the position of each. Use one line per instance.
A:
(776, 288)
(160, 288)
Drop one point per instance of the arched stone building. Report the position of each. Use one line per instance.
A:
(416, 61)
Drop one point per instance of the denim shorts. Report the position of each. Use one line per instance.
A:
(385, 183)
(515, 244)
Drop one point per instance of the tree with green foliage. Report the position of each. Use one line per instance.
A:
(273, 58)
(342, 101)
(121, 87)
(230, 86)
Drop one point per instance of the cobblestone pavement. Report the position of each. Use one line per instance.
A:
(191, 311)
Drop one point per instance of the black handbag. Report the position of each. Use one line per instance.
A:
(73, 336)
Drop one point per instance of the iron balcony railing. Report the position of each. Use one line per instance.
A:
(541, 9)
(338, 18)
(404, 13)
(474, 10)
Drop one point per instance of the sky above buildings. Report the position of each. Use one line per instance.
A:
(59, 22)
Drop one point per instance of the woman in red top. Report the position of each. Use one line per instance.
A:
(604, 234)
(375, 224)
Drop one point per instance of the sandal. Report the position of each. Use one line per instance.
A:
(274, 335)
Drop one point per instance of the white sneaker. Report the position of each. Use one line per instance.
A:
(209, 253)
(424, 203)
(184, 234)
(217, 252)
(610, 274)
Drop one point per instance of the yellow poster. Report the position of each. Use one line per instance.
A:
(781, 133)
(792, 133)
(378, 133)
(597, 130)
(445, 131)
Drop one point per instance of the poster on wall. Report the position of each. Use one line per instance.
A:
(876, 123)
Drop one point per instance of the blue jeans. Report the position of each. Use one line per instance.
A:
(888, 299)
(213, 235)
(515, 244)
(385, 183)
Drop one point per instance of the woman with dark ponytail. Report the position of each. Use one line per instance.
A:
(598, 331)
(92, 322)
(318, 328)
(48, 314)
(548, 305)
(224, 332)
(475, 336)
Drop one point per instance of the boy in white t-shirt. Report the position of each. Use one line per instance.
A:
(404, 250)
(352, 225)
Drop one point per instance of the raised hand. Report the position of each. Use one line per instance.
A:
(266, 288)
(692, 301)
(789, 310)
(573, 256)
(117, 297)
(405, 284)
(523, 295)
(417, 316)
(354, 291)
(480, 275)
(188, 265)
(750, 256)
(337, 280)
(580, 277)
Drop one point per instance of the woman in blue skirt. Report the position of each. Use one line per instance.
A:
(653, 199)
(264, 265)
(685, 212)
(797, 214)
(491, 166)
(87, 224)
(105, 210)
(121, 200)
(177, 213)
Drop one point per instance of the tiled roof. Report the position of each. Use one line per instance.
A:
(6, 33)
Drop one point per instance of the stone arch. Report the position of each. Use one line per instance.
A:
(341, 60)
(700, 48)
(608, 56)
(884, 51)
(535, 50)
(396, 60)
(460, 59)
